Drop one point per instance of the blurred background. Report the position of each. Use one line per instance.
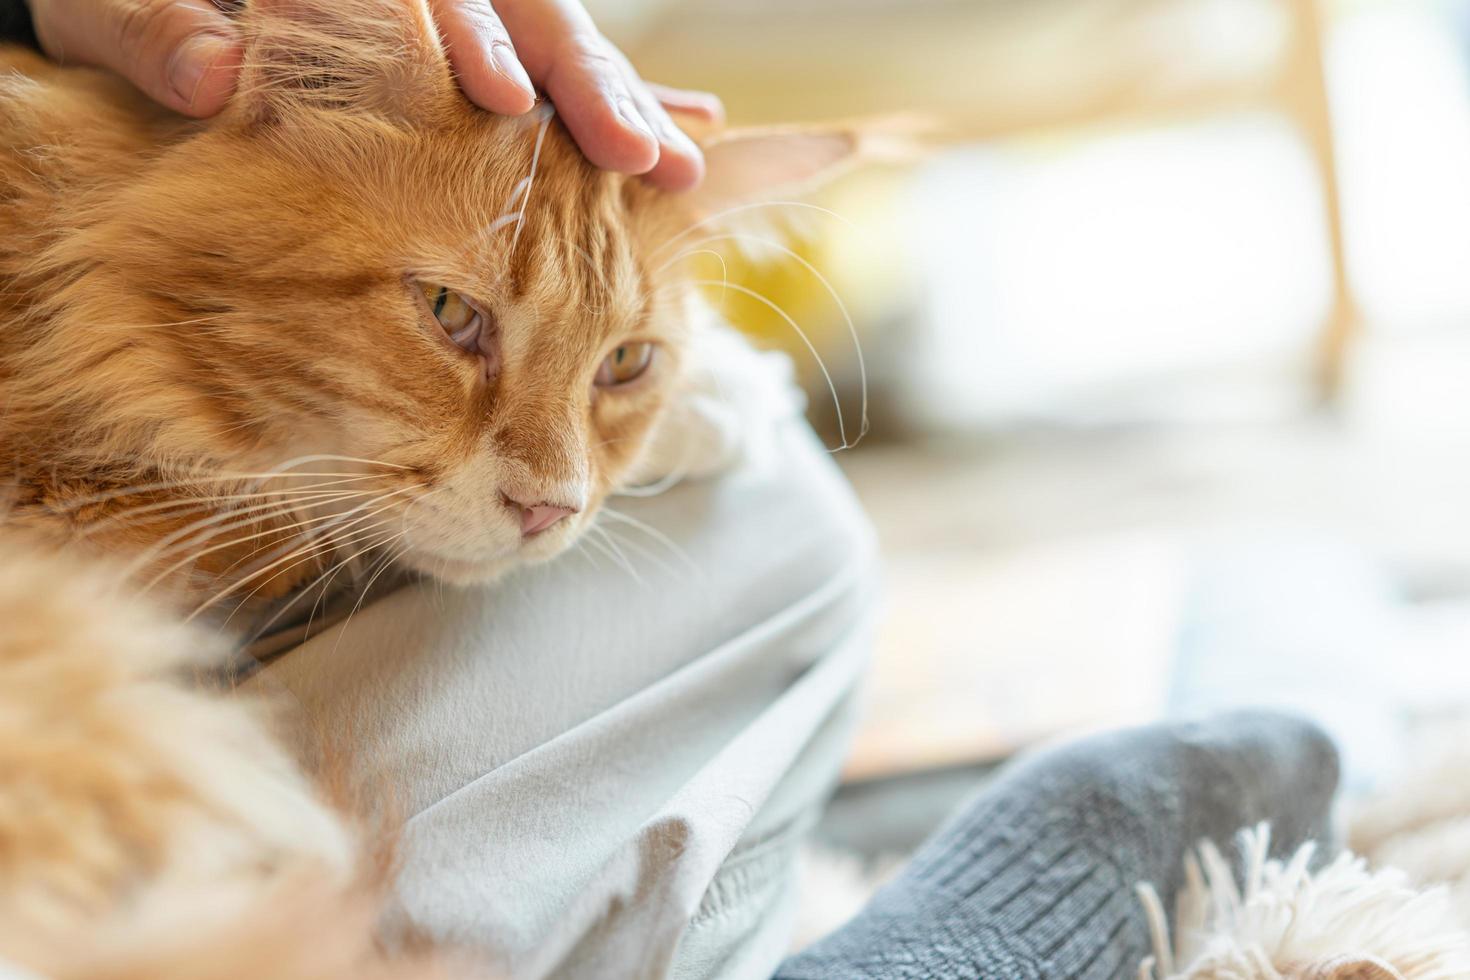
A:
(1167, 347)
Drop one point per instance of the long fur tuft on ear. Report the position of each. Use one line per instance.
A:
(365, 58)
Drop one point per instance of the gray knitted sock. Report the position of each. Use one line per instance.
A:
(1034, 877)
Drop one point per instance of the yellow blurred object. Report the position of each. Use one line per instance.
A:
(781, 299)
(991, 69)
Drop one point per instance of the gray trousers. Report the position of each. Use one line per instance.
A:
(607, 763)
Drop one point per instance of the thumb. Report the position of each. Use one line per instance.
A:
(184, 54)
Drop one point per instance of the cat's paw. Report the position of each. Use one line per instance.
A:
(724, 409)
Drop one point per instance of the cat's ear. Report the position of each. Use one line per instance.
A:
(747, 165)
(355, 57)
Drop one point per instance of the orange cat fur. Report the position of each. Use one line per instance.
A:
(219, 372)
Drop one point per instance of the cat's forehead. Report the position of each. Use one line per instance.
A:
(506, 210)
(569, 237)
(578, 248)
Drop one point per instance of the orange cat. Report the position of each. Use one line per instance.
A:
(352, 322)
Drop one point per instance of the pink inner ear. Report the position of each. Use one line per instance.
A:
(762, 164)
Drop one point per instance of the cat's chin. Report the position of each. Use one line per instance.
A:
(459, 571)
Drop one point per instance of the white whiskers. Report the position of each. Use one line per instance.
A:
(522, 194)
(831, 291)
(791, 322)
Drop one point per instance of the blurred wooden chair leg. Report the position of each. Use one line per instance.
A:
(1304, 95)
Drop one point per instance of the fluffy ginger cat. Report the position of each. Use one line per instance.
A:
(351, 320)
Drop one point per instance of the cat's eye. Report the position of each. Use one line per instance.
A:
(461, 321)
(624, 364)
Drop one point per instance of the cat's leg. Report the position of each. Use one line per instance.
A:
(122, 780)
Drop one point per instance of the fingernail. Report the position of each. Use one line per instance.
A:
(510, 66)
(191, 61)
(714, 108)
(634, 118)
(707, 107)
(677, 139)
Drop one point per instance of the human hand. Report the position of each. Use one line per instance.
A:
(186, 55)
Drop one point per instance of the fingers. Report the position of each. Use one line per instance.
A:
(612, 114)
(706, 107)
(582, 75)
(185, 54)
(680, 165)
(181, 53)
(483, 57)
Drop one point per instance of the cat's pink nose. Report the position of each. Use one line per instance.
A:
(539, 516)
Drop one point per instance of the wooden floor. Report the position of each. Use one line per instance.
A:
(1036, 586)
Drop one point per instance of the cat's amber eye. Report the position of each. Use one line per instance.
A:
(461, 321)
(624, 364)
